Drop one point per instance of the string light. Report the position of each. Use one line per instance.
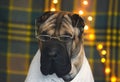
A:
(81, 12)
(113, 79)
(86, 27)
(90, 18)
(91, 36)
(52, 9)
(103, 52)
(99, 46)
(103, 60)
(85, 2)
(107, 70)
(55, 1)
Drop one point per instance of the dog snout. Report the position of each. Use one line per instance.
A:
(52, 52)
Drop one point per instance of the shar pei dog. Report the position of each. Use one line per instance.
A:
(61, 56)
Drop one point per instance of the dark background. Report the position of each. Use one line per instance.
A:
(18, 44)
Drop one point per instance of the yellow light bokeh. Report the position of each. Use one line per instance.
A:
(86, 27)
(103, 60)
(99, 46)
(90, 18)
(107, 70)
(81, 12)
(55, 1)
(113, 79)
(103, 52)
(91, 36)
(52, 9)
(85, 2)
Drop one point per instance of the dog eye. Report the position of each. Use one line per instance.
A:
(65, 38)
(44, 37)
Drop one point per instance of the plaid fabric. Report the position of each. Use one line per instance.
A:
(18, 45)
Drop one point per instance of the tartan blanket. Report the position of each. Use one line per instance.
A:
(18, 44)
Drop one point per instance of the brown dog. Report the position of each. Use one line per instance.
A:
(61, 48)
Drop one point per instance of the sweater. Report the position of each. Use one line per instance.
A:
(35, 75)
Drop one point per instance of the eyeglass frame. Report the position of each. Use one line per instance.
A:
(51, 37)
(68, 38)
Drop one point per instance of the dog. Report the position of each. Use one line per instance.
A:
(61, 56)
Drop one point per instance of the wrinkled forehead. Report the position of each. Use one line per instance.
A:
(57, 24)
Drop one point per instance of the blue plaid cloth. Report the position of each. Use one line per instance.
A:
(18, 45)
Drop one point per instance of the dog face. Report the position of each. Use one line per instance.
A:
(60, 41)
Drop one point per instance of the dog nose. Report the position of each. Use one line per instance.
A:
(52, 53)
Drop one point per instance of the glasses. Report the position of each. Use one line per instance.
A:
(63, 38)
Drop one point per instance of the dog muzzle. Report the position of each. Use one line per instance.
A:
(55, 59)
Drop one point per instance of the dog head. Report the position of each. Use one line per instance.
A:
(60, 40)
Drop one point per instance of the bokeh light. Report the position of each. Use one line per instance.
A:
(85, 2)
(113, 79)
(55, 1)
(103, 60)
(90, 18)
(103, 52)
(52, 9)
(81, 12)
(107, 70)
(86, 27)
(99, 46)
(91, 36)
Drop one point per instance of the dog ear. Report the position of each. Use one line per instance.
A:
(40, 20)
(43, 18)
(78, 22)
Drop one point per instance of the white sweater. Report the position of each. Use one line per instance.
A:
(35, 75)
